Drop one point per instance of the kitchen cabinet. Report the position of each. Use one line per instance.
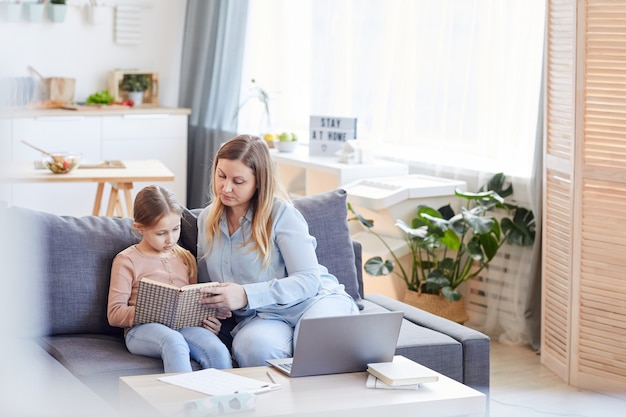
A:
(151, 133)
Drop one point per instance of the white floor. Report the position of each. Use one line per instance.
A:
(522, 387)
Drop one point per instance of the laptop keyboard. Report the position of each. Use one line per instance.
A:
(285, 366)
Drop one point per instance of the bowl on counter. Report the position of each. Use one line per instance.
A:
(289, 146)
(62, 162)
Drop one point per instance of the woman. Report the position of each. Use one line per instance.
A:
(252, 239)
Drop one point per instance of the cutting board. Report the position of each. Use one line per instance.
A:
(79, 107)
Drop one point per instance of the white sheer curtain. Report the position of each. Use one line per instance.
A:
(450, 86)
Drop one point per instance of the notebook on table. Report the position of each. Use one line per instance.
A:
(340, 344)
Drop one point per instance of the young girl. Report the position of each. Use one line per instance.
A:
(157, 256)
(258, 246)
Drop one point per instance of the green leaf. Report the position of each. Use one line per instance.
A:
(446, 211)
(420, 232)
(436, 224)
(447, 264)
(499, 184)
(364, 222)
(437, 280)
(451, 240)
(479, 224)
(422, 209)
(484, 195)
(100, 97)
(377, 267)
(497, 231)
(474, 251)
(451, 294)
(521, 230)
(490, 246)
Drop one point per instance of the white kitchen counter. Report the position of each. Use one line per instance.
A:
(93, 112)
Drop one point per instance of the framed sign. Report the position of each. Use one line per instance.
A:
(328, 134)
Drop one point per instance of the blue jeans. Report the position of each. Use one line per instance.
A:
(262, 339)
(177, 347)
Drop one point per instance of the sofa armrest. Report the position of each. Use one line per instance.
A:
(476, 346)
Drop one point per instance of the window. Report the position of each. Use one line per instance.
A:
(451, 82)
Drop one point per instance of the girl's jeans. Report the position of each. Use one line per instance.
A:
(177, 347)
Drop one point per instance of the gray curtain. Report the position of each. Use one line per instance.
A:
(211, 64)
(533, 306)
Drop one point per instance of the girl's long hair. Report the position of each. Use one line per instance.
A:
(151, 204)
(254, 153)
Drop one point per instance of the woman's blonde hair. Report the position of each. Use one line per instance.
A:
(254, 153)
(151, 204)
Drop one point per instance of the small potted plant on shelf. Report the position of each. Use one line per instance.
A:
(447, 249)
(135, 85)
(33, 11)
(57, 9)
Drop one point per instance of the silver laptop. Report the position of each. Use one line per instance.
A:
(334, 345)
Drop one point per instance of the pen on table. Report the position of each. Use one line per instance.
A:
(264, 388)
(270, 377)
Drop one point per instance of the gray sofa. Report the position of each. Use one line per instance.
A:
(72, 267)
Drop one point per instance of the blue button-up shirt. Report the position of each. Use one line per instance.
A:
(283, 289)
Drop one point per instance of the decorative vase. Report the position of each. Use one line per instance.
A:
(136, 97)
(57, 12)
(439, 305)
(34, 11)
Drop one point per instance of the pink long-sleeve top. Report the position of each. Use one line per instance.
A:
(129, 267)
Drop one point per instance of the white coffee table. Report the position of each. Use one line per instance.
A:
(342, 395)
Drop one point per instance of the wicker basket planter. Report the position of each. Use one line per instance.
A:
(439, 305)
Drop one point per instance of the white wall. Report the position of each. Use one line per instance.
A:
(80, 49)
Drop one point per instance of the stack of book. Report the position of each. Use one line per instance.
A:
(401, 373)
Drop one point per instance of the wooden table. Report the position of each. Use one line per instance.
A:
(342, 395)
(120, 179)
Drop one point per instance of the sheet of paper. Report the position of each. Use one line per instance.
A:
(215, 382)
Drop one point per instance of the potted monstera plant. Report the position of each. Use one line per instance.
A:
(448, 248)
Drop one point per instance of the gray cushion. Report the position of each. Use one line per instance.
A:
(326, 214)
(97, 354)
(189, 230)
(76, 253)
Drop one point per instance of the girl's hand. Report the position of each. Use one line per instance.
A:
(223, 313)
(227, 295)
(213, 324)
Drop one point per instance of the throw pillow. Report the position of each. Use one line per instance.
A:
(327, 216)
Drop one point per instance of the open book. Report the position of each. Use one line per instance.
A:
(174, 307)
